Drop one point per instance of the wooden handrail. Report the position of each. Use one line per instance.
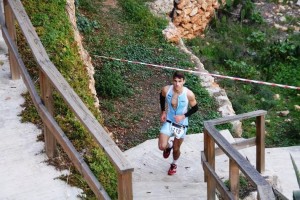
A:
(233, 154)
(10, 23)
(237, 161)
(52, 75)
(48, 119)
(66, 91)
(224, 191)
(237, 117)
(238, 145)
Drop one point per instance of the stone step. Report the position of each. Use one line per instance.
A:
(24, 173)
(150, 179)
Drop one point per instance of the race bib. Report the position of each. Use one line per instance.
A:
(177, 130)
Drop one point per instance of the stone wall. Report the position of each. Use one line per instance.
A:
(192, 16)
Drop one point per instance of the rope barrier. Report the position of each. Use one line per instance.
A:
(203, 73)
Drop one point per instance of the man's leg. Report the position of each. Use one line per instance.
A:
(163, 141)
(176, 155)
(164, 145)
(176, 149)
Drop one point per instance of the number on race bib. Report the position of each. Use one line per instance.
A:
(177, 130)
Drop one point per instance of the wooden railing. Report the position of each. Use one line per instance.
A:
(51, 79)
(237, 162)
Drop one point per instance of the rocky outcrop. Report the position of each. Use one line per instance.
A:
(192, 16)
(85, 57)
(189, 17)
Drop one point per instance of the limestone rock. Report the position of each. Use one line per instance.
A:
(171, 33)
(181, 4)
(85, 57)
(283, 113)
(276, 97)
(283, 28)
(161, 8)
(194, 11)
(237, 128)
(193, 16)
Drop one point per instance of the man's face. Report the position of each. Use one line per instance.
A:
(178, 83)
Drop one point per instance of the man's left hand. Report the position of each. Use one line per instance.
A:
(179, 118)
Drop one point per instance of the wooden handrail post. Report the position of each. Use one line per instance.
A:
(10, 24)
(260, 143)
(46, 96)
(234, 179)
(205, 151)
(211, 183)
(125, 186)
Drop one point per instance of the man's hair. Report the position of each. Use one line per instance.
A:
(178, 74)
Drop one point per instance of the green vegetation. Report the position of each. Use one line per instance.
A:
(138, 37)
(56, 35)
(254, 50)
(129, 92)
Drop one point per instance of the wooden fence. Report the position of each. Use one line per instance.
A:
(237, 162)
(51, 79)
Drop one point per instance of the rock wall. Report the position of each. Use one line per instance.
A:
(189, 18)
(192, 16)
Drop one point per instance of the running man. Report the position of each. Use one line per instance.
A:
(175, 119)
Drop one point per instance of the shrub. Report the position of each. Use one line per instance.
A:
(84, 24)
(279, 57)
(240, 68)
(256, 39)
(287, 134)
(110, 83)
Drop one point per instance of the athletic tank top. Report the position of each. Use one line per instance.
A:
(182, 105)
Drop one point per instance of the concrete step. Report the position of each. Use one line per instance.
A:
(150, 179)
(24, 173)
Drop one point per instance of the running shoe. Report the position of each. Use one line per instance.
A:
(172, 169)
(167, 152)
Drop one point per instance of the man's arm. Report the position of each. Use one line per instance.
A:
(162, 101)
(193, 103)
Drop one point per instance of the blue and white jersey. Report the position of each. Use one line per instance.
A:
(182, 105)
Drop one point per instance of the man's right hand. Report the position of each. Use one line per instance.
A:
(163, 117)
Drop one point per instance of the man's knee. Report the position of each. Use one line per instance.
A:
(163, 141)
(162, 147)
